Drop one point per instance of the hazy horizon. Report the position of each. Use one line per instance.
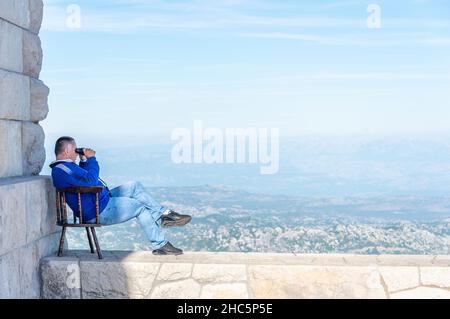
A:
(309, 166)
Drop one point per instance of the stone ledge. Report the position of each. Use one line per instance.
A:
(22, 179)
(244, 275)
(27, 233)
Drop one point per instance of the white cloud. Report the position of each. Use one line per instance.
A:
(366, 39)
(438, 41)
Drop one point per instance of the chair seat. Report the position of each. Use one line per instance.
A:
(78, 225)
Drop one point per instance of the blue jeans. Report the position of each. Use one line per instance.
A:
(130, 200)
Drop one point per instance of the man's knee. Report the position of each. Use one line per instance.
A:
(133, 184)
(137, 186)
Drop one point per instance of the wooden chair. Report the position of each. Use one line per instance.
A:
(61, 210)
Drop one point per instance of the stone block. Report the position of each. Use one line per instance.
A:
(60, 278)
(29, 271)
(10, 47)
(41, 215)
(36, 14)
(183, 289)
(400, 277)
(16, 11)
(12, 217)
(33, 151)
(35, 205)
(15, 96)
(330, 259)
(174, 271)
(404, 260)
(10, 275)
(442, 260)
(422, 293)
(10, 148)
(30, 256)
(316, 282)
(112, 279)
(39, 100)
(435, 276)
(214, 273)
(32, 54)
(360, 260)
(48, 221)
(48, 245)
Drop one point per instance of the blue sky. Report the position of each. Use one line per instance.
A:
(149, 66)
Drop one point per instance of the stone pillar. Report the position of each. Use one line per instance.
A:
(23, 97)
(27, 216)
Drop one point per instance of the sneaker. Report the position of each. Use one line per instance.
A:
(167, 249)
(174, 219)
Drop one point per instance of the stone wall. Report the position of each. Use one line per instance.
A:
(244, 275)
(23, 97)
(27, 216)
(27, 233)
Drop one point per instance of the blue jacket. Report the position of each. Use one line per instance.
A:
(66, 173)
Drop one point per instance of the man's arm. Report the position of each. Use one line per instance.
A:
(84, 159)
(83, 162)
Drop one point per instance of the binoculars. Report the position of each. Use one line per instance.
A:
(79, 151)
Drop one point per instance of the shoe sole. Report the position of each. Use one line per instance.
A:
(176, 223)
(166, 254)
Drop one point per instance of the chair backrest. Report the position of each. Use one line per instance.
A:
(61, 207)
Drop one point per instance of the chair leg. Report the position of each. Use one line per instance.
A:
(97, 246)
(61, 242)
(90, 240)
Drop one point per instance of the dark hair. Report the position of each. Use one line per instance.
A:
(61, 144)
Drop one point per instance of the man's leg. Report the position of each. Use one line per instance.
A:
(137, 191)
(122, 209)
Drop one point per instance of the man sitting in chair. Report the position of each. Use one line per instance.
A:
(117, 205)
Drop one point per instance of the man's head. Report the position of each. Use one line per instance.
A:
(65, 148)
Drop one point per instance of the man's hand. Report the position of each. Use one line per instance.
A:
(88, 152)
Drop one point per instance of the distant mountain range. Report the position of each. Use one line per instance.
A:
(226, 219)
